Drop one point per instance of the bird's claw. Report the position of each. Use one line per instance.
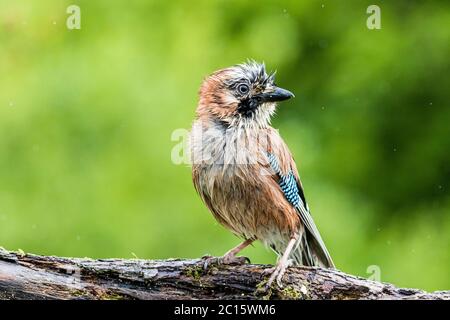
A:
(277, 274)
(268, 271)
(209, 260)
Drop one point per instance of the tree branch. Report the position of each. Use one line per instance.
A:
(26, 276)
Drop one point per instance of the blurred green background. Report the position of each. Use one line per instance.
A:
(86, 118)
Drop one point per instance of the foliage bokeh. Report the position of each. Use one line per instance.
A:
(86, 118)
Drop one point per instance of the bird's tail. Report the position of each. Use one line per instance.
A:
(306, 252)
(309, 252)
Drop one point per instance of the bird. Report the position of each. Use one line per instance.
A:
(244, 172)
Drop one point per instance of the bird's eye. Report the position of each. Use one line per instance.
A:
(243, 88)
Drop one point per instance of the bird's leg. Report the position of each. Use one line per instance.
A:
(283, 263)
(230, 256)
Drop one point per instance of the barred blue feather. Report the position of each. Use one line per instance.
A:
(294, 194)
(287, 183)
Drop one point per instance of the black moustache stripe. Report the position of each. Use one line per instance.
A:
(247, 107)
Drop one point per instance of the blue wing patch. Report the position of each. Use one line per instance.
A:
(294, 194)
(288, 184)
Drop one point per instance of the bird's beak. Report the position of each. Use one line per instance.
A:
(276, 94)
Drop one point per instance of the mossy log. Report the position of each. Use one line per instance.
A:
(27, 276)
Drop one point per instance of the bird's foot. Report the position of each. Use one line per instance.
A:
(224, 260)
(268, 271)
(277, 273)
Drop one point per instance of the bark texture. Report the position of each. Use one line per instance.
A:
(26, 276)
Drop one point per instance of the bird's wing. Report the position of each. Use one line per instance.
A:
(288, 179)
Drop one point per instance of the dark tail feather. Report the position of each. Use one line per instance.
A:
(310, 253)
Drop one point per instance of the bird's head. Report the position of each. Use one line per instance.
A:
(242, 95)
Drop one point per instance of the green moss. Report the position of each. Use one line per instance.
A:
(78, 293)
(263, 292)
(195, 272)
(212, 269)
(98, 295)
(112, 296)
(21, 253)
(274, 292)
(290, 293)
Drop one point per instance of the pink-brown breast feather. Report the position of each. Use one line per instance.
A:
(252, 198)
